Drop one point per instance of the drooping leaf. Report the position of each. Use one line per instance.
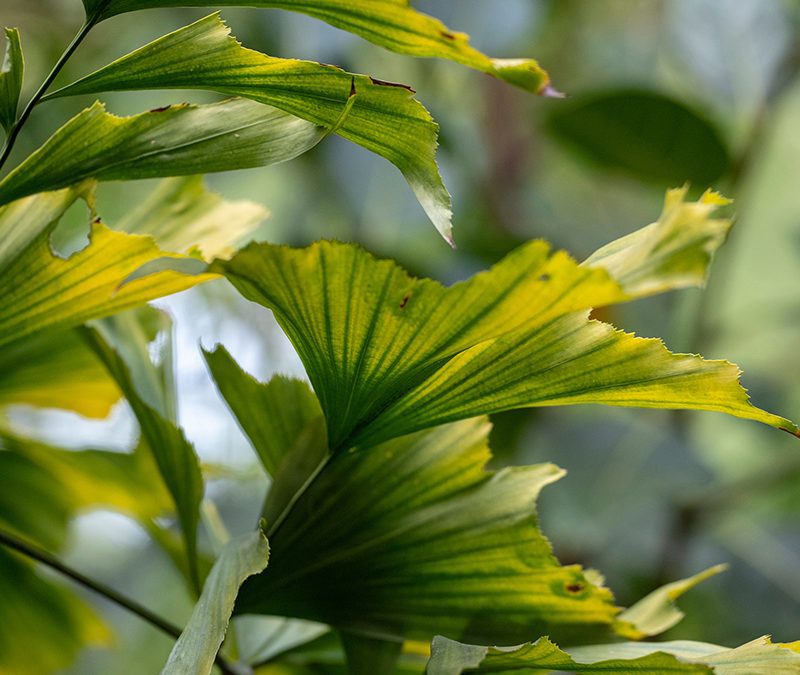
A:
(173, 454)
(388, 354)
(384, 118)
(51, 624)
(174, 141)
(195, 650)
(181, 214)
(657, 611)
(11, 74)
(759, 656)
(274, 416)
(40, 291)
(648, 135)
(414, 536)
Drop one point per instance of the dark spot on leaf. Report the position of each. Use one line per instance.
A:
(574, 588)
(352, 86)
(161, 109)
(544, 277)
(405, 300)
(446, 35)
(384, 83)
(97, 220)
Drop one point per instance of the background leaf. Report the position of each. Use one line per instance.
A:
(385, 118)
(11, 74)
(649, 135)
(172, 141)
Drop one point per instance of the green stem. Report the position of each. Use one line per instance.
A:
(26, 113)
(273, 528)
(40, 555)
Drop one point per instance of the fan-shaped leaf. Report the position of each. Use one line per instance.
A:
(384, 118)
(194, 652)
(389, 23)
(414, 536)
(759, 656)
(174, 141)
(11, 73)
(388, 354)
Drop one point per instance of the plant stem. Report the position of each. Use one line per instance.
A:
(26, 113)
(42, 556)
(273, 528)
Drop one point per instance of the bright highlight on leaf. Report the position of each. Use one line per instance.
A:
(414, 536)
(11, 74)
(392, 24)
(175, 141)
(384, 118)
(388, 354)
(194, 652)
(682, 656)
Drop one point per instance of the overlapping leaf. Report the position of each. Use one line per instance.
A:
(388, 354)
(414, 537)
(11, 73)
(389, 23)
(759, 656)
(174, 141)
(384, 118)
(194, 652)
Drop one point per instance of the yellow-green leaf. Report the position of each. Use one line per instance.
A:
(389, 354)
(414, 536)
(174, 141)
(196, 648)
(384, 118)
(11, 74)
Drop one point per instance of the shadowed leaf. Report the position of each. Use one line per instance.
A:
(11, 73)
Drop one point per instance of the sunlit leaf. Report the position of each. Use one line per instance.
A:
(173, 454)
(40, 291)
(182, 215)
(194, 652)
(649, 135)
(51, 624)
(11, 73)
(657, 611)
(384, 118)
(414, 536)
(273, 415)
(389, 354)
(173, 141)
(759, 656)
(392, 24)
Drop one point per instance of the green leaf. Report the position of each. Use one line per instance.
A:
(44, 624)
(274, 416)
(392, 24)
(657, 611)
(367, 655)
(173, 454)
(43, 292)
(195, 650)
(182, 215)
(646, 134)
(174, 141)
(759, 656)
(11, 73)
(384, 118)
(388, 354)
(414, 536)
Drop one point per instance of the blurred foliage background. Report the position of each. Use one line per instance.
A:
(659, 92)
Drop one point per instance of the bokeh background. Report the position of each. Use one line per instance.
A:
(659, 92)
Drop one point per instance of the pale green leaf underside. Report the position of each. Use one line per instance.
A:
(389, 354)
(384, 118)
(194, 652)
(174, 455)
(759, 656)
(11, 74)
(174, 141)
(40, 291)
(414, 536)
(272, 415)
(392, 24)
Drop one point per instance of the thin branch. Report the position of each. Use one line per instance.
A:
(42, 556)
